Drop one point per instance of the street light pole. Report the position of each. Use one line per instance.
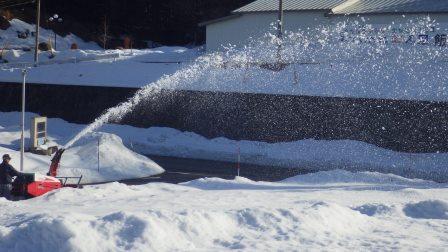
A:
(36, 46)
(22, 124)
(55, 18)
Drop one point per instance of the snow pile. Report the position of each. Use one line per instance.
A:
(224, 184)
(264, 217)
(310, 154)
(342, 176)
(116, 161)
(165, 54)
(333, 177)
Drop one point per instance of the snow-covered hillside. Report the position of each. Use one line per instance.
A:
(9, 38)
(354, 212)
(336, 69)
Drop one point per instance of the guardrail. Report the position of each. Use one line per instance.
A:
(75, 60)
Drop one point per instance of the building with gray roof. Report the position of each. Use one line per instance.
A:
(257, 18)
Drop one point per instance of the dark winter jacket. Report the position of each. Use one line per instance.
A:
(6, 173)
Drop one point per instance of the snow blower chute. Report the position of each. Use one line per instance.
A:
(29, 185)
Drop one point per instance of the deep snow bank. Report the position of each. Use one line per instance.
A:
(342, 176)
(264, 217)
(116, 162)
(310, 153)
(333, 177)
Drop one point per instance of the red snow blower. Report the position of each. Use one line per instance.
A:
(30, 185)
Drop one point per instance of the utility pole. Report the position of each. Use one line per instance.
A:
(280, 30)
(105, 32)
(36, 46)
(280, 20)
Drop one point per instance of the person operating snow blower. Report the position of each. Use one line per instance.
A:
(6, 174)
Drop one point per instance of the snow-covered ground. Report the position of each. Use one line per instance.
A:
(329, 210)
(116, 161)
(124, 68)
(326, 211)
(309, 154)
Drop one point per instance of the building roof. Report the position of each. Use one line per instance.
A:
(349, 6)
(217, 20)
(342, 7)
(391, 6)
(289, 5)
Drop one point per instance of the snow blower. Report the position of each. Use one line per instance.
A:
(30, 185)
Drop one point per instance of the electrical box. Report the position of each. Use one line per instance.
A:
(39, 143)
(38, 132)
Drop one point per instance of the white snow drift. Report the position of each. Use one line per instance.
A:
(220, 215)
(116, 161)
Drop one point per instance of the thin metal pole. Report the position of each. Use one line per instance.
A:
(280, 29)
(99, 154)
(22, 124)
(54, 40)
(36, 44)
(239, 159)
(105, 33)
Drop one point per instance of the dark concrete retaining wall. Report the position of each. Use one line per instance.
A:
(411, 126)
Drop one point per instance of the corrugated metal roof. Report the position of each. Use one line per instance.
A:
(289, 5)
(217, 20)
(391, 6)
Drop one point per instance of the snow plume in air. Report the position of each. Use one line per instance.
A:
(147, 92)
(346, 59)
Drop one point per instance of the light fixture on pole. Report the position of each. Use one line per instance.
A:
(55, 19)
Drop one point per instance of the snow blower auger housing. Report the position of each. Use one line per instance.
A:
(30, 185)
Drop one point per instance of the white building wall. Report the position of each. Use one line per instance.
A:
(240, 30)
(395, 19)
